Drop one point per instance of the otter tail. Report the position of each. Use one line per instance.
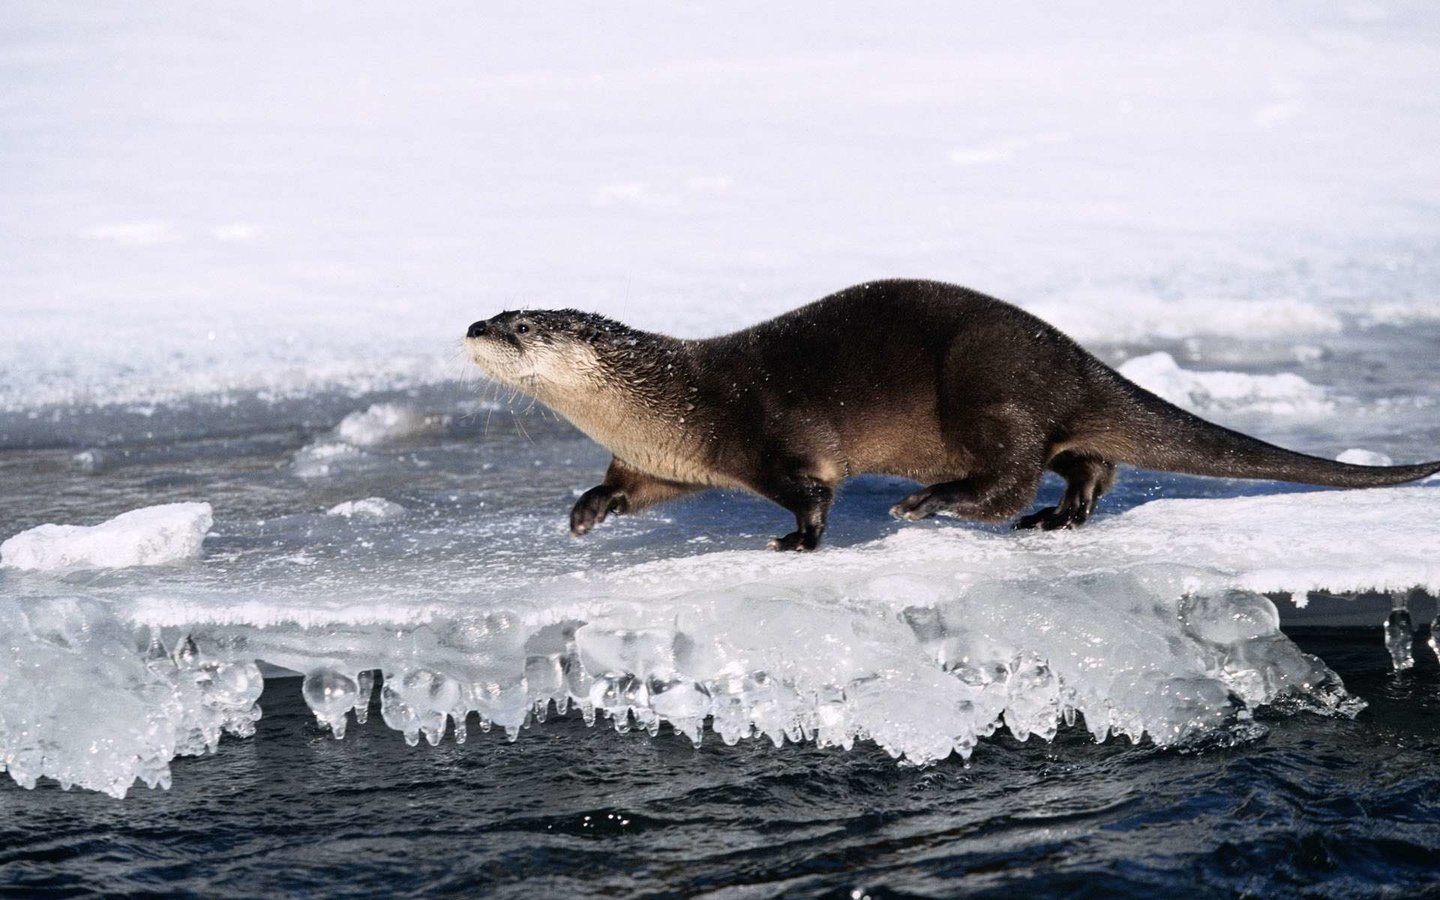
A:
(1148, 432)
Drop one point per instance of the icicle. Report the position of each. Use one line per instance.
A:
(1400, 633)
(365, 691)
(330, 695)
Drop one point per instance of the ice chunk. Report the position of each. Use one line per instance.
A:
(150, 536)
(344, 448)
(385, 423)
(1358, 457)
(324, 457)
(1285, 393)
(369, 508)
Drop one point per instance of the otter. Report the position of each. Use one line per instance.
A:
(921, 379)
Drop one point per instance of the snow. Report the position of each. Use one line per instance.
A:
(153, 536)
(336, 220)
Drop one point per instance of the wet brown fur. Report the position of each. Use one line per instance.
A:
(920, 379)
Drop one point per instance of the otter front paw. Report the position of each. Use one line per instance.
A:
(594, 505)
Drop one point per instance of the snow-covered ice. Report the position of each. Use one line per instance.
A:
(151, 536)
(1151, 623)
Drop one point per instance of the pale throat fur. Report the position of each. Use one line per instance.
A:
(632, 396)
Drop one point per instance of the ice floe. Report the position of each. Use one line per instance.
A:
(150, 536)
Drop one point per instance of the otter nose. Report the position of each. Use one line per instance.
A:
(477, 330)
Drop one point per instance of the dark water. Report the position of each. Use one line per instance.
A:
(1319, 807)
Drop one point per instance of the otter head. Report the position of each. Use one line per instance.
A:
(553, 355)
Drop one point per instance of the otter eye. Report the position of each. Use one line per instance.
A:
(522, 328)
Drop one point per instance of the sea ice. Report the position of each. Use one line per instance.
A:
(150, 536)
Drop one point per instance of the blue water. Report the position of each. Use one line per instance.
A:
(1321, 807)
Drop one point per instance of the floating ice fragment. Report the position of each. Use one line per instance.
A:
(369, 508)
(382, 424)
(385, 423)
(153, 535)
(924, 643)
(323, 458)
(1358, 457)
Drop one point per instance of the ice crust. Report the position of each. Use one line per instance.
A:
(151, 536)
(925, 642)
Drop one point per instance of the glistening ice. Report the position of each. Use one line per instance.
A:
(1153, 623)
